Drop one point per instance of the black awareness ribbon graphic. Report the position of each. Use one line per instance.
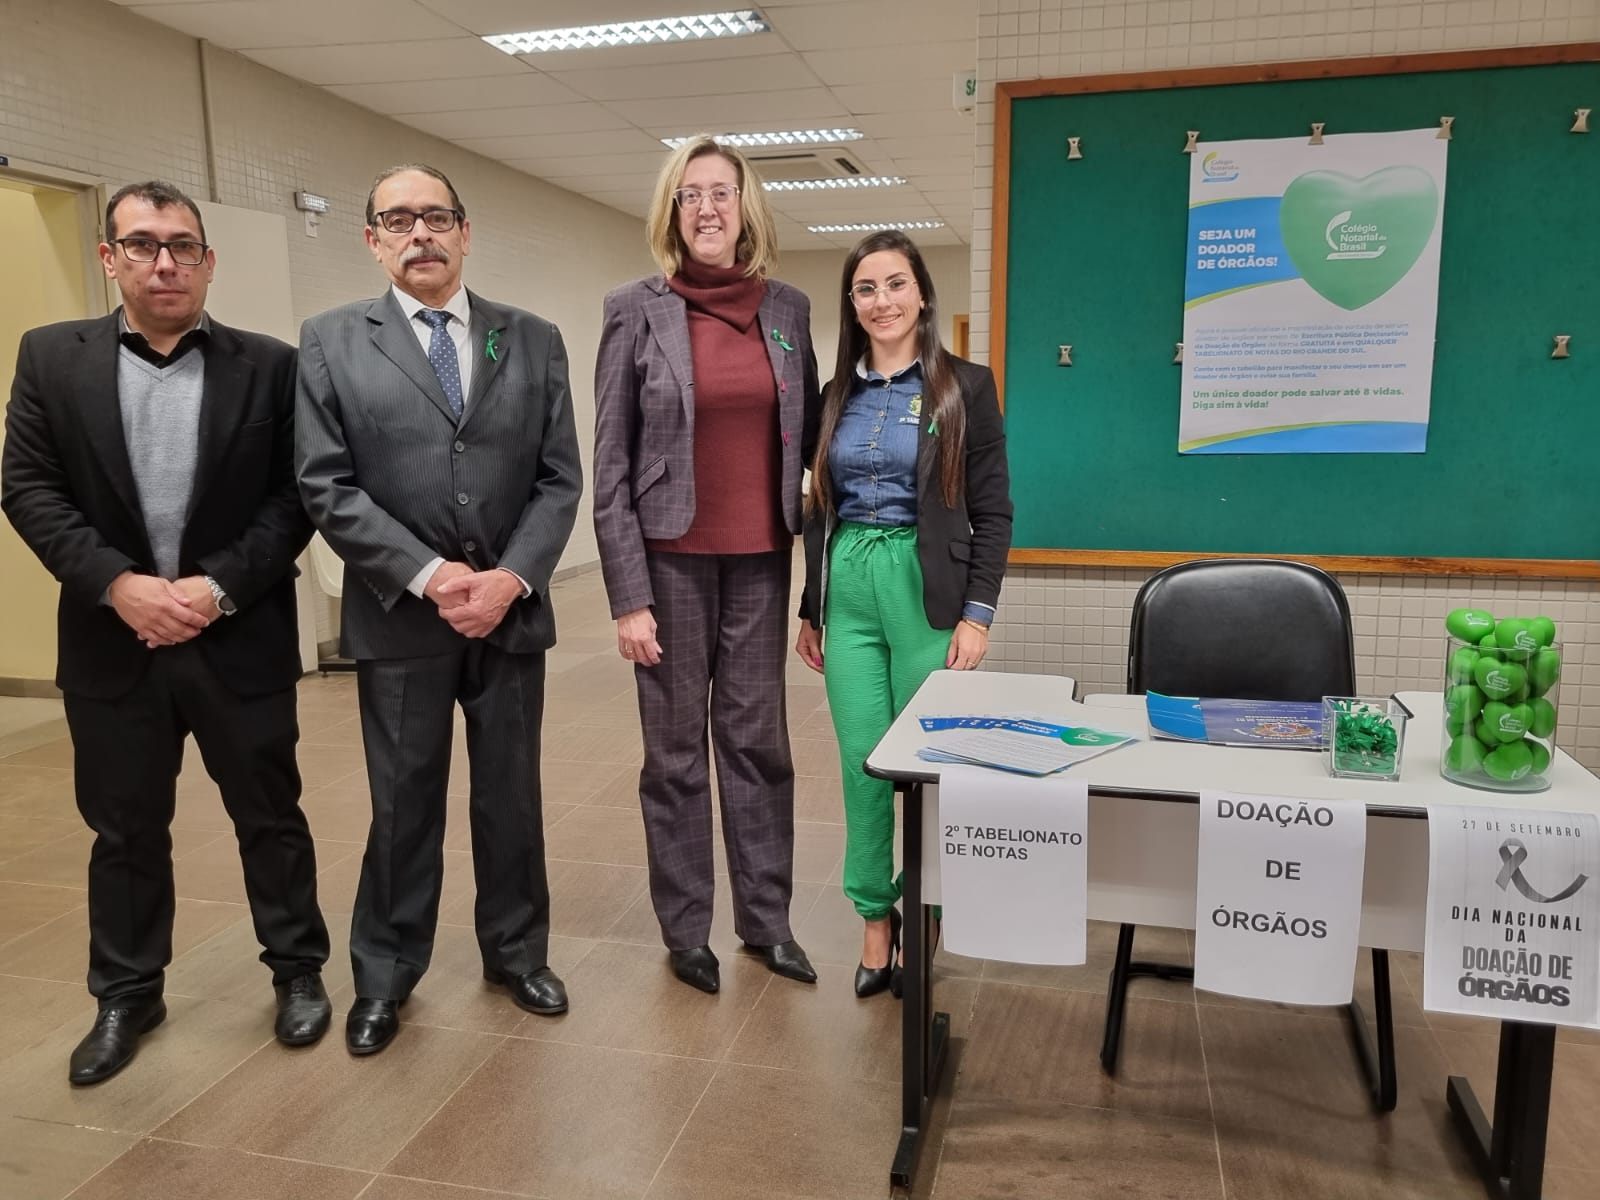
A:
(1512, 855)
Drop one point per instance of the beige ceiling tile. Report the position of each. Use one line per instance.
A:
(253, 24)
(379, 62)
(896, 25)
(912, 95)
(511, 122)
(457, 95)
(865, 63)
(567, 166)
(729, 75)
(792, 109)
(560, 144)
(910, 149)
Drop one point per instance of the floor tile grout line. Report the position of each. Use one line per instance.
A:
(428, 1120)
(716, 1069)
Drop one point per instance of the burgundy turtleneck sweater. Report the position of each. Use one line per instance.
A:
(738, 464)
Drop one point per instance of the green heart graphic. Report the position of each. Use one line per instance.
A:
(1354, 239)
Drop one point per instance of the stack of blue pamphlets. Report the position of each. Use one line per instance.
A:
(1296, 724)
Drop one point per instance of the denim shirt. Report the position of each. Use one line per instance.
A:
(873, 458)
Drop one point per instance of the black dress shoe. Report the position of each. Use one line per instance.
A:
(111, 1044)
(872, 980)
(303, 1010)
(371, 1025)
(697, 967)
(540, 992)
(786, 959)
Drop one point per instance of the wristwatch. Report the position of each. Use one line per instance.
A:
(224, 605)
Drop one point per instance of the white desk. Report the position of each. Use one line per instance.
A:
(1142, 867)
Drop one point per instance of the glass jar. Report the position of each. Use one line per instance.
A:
(1499, 715)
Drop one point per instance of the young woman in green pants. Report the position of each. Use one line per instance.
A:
(907, 527)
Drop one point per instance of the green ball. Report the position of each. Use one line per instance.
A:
(1469, 624)
(1514, 635)
(1511, 761)
(1487, 643)
(1541, 717)
(1544, 669)
(1486, 734)
(1543, 629)
(1499, 680)
(1541, 756)
(1459, 667)
(1464, 755)
(1463, 702)
(1456, 726)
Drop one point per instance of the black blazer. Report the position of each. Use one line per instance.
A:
(962, 550)
(68, 488)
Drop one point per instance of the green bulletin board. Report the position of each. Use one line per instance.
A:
(1090, 252)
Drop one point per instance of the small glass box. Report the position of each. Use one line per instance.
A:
(1363, 737)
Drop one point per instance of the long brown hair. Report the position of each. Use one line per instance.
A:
(941, 391)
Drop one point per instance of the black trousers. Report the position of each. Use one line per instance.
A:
(407, 718)
(127, 754)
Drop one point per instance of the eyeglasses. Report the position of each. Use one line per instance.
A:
(721, 196)
(863, 294)
(403, 220)
(185, 253)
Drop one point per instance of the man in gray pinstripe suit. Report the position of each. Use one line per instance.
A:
(438, 455)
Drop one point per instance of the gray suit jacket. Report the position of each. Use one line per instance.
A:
(392, 482)
(644, 422)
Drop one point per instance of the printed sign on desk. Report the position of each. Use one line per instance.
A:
(1014, 865)
(1513, 909)
(1278, 897)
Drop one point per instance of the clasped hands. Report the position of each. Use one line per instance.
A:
(473, 602)
(163, 612)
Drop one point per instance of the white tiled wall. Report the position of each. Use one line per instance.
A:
(1075, 621)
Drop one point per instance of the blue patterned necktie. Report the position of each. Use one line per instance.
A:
(442, 356)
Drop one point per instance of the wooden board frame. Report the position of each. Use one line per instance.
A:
(1283, 72)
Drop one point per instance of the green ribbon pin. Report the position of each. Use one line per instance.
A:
(490, 349)
(933, 428)
(779, 338)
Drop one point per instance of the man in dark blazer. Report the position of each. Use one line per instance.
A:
(439, 457)
(149, 464)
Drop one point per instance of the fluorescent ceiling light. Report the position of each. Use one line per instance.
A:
(633, 33)
(874, 226)
(793, 137)
(845, 181)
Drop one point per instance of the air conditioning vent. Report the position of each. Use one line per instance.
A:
(778, 165)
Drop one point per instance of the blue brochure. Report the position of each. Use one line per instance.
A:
(1296, 724)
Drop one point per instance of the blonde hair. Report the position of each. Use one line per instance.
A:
(757, 249)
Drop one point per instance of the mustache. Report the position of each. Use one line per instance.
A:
(431, 252)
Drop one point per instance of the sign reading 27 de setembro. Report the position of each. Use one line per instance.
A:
(1311, 293)
(1513, 909)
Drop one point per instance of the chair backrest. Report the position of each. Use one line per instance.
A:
(1242, 629)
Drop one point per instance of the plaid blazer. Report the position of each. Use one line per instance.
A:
(644, 422)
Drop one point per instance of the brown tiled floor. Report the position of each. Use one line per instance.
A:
(648, 1089)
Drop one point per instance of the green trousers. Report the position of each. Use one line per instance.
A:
(878, 648)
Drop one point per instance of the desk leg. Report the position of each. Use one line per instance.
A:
(1510, 1155)
(1377, 1061)
(924, 1033)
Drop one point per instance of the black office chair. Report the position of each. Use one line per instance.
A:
(1246, 629)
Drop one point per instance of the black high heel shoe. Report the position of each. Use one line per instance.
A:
(872, 980)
